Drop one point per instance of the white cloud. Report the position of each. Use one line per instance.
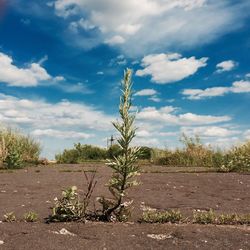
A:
(154, 98)
(166, 116)
(146, 92)
(226, 66)
(81, 24)
(115, 40)
(143, 23)
(168, 68)
(38, 114)
(79, 88)
(247, 134)
(210, 131)
(237, 87)
(22, 77)
(60, 134)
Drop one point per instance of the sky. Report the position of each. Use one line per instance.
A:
(62, 61)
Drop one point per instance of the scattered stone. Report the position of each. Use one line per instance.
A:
(64, 231)
(160, 236)
(1, 242)
(3, 191)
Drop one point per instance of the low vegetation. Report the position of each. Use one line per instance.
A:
(199, 217)
(172, 216)
(30, 216)
(17, 149)
(9, 217)
(193, 154)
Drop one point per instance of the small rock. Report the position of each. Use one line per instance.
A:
(1, 242)
(160, 236)
(64, 231)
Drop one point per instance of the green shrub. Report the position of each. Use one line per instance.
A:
(81, 153)
(17, 149)
(237, 159)
(30, 217)
(9, 217)
(172, 216)
(204, 217)
(114, 151)
(14, 158)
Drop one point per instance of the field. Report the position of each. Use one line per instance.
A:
(34, 188)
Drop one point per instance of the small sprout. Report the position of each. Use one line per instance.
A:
(9, 217)
(30, 217)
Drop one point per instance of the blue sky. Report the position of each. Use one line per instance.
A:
(61, 63)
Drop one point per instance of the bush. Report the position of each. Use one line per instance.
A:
(81, 153)
(114, 151)
(17, 149)
(237, 159)
(193, 154)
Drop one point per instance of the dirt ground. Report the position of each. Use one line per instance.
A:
(33, 189)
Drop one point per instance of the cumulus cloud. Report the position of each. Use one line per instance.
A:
(176, 24)
(226, 66)
(168, 68)
(237, 87)
(210, 131)
(13, 75)
(115, 40)
(38, 114)
(146, 92)
(60, 134)
(166, 116)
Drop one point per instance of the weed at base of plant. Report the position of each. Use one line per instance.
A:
(30, 217)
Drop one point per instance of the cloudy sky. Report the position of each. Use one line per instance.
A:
(61, 62)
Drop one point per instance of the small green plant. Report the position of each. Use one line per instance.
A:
(123, 166)
(72, 206)
(68, 207)
(9, 217)
(172, 216)
(13, 159)
(30, 217)
(204, 217)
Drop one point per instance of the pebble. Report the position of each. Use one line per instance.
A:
(1, 242)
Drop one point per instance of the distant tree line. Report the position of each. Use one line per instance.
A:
(84, 152)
